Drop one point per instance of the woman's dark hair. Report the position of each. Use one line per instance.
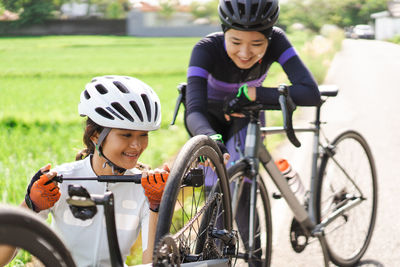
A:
(90, 129)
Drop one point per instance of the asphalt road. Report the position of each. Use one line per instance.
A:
(368, 75)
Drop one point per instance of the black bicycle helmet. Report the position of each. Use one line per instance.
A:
(248, 15)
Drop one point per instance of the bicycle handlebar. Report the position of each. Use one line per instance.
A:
(287, 107)
(136, 178)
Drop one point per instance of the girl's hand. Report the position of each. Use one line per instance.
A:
(42, 193)
(153, 183)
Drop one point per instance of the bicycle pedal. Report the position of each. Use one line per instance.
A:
(276, 195)
(298, 239)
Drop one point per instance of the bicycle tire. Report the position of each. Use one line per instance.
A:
(237, 173)
(23, 229)
(349, 235)
(182, 203)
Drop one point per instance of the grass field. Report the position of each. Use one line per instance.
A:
(40, 82)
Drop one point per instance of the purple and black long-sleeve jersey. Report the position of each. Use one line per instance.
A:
(212, 76)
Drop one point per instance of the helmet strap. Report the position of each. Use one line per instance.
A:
(114, 167)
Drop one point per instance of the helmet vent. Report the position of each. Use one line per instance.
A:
(86, 94)
(267, 8)
(101, 89)
(155, 111)
(136, 108)
(121, 110)
(242, 9)
(254, 8)
(121, 87)
(147, 106)
(229, 6)
(104, 113)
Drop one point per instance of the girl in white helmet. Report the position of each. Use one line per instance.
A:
(120, 112)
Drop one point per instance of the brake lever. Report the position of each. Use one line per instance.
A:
(180, 99)
(287, 107)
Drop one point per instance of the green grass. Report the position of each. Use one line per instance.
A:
(395, 39)
(40, 82)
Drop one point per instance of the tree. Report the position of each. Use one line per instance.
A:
(31, 11)
(168, 7)
(207, 10)
(112, 9)
(315, 13)
(359, 11)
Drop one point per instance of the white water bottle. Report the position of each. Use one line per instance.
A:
(292, 178)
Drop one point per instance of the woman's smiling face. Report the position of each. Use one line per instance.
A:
(245, 48)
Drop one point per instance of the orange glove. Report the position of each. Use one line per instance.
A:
(154, 185)
(42, 193)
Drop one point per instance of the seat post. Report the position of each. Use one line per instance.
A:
(314, 164)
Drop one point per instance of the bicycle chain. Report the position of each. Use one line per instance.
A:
(167, 252)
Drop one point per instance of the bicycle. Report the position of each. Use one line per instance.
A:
(199, 235)
(207, 233)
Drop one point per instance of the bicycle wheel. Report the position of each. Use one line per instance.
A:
(347, 176)
(23, 229)
(263, 234)
(196, 199)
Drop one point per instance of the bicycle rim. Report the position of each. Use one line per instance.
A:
(349, 235)
(23, 229)
(188, 211)
(263, 235)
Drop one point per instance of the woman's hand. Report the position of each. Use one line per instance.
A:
(232, 103)
(153, 183)
(42, 193)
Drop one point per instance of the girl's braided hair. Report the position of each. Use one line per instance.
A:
(90, 129)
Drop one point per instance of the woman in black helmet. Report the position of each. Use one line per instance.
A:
(240, 57)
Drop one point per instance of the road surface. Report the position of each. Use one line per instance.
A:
(368, 75)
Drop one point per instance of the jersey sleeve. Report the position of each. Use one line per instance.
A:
(304, 89)
(200, 65)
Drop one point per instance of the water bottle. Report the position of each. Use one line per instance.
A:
(292, 178)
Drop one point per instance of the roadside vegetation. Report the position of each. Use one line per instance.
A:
(313, 13)
(395, 39)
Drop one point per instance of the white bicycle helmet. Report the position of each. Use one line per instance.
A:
(121, 102)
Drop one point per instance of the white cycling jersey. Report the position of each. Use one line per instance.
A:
(87, 240)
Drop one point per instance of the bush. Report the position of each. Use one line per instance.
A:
(115, 11)
(395, 39)
(206, 10)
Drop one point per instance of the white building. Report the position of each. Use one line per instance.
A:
(387, 23)
(75, 10)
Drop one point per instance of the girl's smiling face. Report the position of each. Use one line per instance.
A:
(245, 48)
(124, 147)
